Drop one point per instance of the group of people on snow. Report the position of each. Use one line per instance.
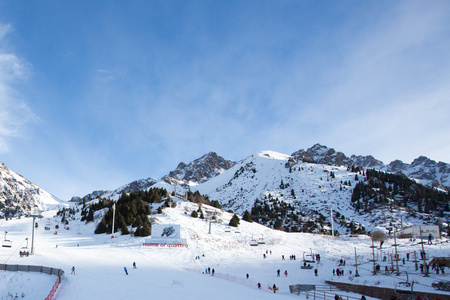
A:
(209, 271)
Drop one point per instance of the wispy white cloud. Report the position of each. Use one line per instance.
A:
(386, 93)
(15, 114)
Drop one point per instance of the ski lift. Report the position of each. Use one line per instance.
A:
(261, 241)
(400, 291)
(24, 251)
(253, 242)
(309, 258)
(26, 247)
(6, 243)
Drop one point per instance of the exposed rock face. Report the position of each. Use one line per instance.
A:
(396, 166)
(19, 196)
(367, 161)
(197, 171)
(423, 168)
(323, 155)
(200, 170)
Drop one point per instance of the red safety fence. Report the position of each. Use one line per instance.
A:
(53, 291)
(40, 269)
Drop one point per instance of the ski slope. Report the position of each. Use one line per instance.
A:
(176, 273)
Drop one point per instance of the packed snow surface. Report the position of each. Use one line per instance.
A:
(179, 273)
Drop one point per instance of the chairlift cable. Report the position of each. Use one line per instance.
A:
(14, 252)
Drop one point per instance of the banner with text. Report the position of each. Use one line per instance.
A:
(165, 235)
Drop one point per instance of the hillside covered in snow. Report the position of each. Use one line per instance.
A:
(182, 272)
(19, 196)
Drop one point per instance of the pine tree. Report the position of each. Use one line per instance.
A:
(277, 224)
(234, 221)
(101, 227)
(137, 222)
(146, 230)
(247, 217)
(293, 194)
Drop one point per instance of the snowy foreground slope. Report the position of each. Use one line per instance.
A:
(175, 273)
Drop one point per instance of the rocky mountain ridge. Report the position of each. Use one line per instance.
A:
(19, 196)
(196, 172)
(428, 171)
(208, 173)
(211, 165)
(200, 170)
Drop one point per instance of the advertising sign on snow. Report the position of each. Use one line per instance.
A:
(165, 235)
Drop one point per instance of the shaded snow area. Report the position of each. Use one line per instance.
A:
(175, 273)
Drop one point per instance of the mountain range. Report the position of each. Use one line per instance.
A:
(210, 165)
(20, 196)
(297, 191)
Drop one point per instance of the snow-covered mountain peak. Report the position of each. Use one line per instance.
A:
(20, 196)
(322, 155)
(273, 154)
(200, 170)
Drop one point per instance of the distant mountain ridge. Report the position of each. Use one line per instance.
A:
(211, 165)
(200, 170)
(196, 172)
(422, 168)
(294, 191)
(20, 196)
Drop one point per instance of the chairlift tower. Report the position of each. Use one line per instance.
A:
(415, 261)
(424, 255)
(35, 215)
(114, 217)
(332, 222)
(374, 272)
(396, 258)
(210, 220)
(356, 264)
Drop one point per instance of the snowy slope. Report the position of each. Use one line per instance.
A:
(308, 188)
(175, 273)
(22, 196)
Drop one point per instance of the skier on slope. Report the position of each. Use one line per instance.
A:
(125, 269)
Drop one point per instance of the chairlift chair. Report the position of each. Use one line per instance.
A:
(253, 243)
(25, 248)
(6, 243)
(261, 241)
(399, 291)
(309, 258)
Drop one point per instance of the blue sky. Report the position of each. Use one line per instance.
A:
(95, 94)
